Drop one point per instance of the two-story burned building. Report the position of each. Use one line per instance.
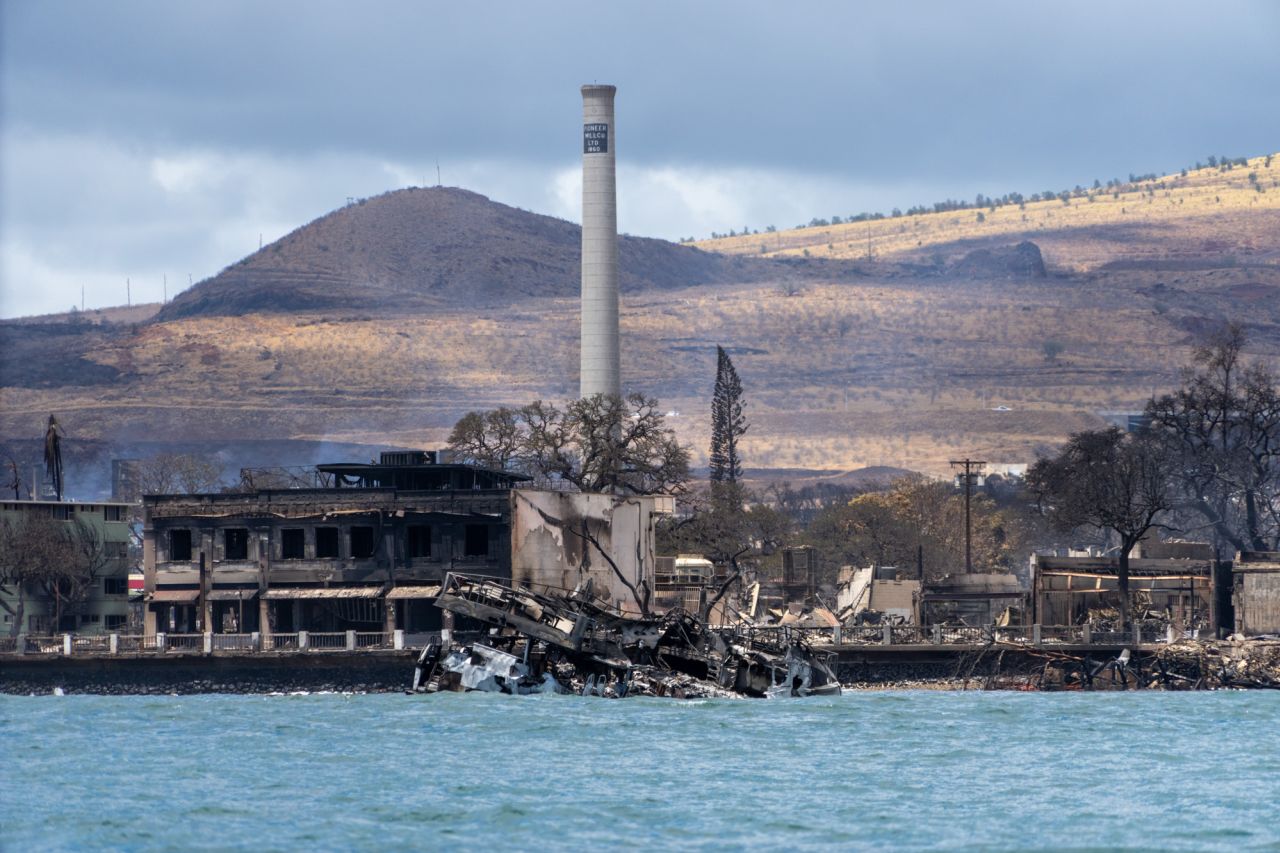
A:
(367, 546)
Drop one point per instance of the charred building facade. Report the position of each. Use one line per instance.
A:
(368, 551)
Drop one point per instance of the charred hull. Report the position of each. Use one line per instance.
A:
(558, 642)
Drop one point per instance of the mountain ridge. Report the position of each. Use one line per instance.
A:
(420, 248)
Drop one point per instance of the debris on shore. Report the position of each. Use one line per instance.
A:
(553, 642)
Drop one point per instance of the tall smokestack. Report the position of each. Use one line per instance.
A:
(600, 372)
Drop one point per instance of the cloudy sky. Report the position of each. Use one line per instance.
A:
(158, 140)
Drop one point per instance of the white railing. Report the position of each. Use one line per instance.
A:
(349, 641)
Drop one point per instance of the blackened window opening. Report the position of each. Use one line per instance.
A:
(419, 541)
(361, 542)
(476, 543)
(180, 546)
(235, 543)
(326, 543)
(292, 544)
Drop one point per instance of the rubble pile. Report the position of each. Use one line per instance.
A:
(568, 642)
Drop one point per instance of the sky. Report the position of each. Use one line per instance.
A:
(148, 144)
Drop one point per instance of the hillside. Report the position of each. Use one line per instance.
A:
(1205, 219)
(952, 341)
(420, 249)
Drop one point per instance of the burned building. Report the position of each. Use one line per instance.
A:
(1255, 592)
(874, 592)
(1075, 590)
(368, 550)
(972, 599)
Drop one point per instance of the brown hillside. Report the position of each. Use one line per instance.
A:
(420, 248)
(909, 360)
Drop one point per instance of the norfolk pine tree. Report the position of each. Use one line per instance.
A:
(728, 423)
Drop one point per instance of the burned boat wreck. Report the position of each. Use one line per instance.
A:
(568, 642)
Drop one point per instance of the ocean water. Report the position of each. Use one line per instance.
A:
(901, 770)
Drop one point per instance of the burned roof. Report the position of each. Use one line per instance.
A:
(419, 477)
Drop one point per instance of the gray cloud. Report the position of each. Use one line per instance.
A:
(729, 114)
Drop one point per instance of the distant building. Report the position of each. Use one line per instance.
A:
(368, 552)
(1127, 421)
(105, 607)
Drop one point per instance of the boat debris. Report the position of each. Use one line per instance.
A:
(568, 642)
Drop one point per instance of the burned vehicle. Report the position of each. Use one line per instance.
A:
(568, 642)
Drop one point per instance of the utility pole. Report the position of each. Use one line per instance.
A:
(972, 468)
(128, 292)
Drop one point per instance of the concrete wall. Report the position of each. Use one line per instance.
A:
(547, 547)
(1257, 602)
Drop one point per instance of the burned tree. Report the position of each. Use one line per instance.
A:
(618, 445)
(728, 422)
(1109, 480)
(177, 474)
(53, 456)
(60, 560)
(1222, 429)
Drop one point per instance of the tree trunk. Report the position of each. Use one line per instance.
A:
(1122, 581)
(1251, 521)
(18, 614)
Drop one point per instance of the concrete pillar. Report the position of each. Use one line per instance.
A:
(1035, 635)
(351, 641)
(160, 641)
(397, 641)
(600, 360)
(255, 641)
(114, 641)
(303, 640)
(264, 621)
(1137, 635)
(149, 621)
(66, 644)
(446, 628)
(1086, 635)
(937, 634)
(835, 635)
(208, 642)
(887, 637)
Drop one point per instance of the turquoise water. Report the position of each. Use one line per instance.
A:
(480, 772)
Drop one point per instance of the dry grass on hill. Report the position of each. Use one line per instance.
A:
(1207, 212)
(905, 366)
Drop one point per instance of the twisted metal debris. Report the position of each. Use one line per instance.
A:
(567, 642)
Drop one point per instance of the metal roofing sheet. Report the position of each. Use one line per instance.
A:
(414, 592)
(175, 595)
(287, 593)
(232, 594)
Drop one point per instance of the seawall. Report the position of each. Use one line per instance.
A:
(364, 671)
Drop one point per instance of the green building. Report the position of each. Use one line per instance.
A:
(101, 604)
